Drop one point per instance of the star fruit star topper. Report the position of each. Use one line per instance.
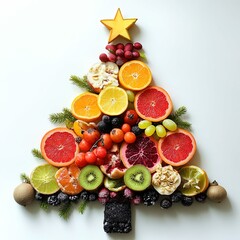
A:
(118, 26)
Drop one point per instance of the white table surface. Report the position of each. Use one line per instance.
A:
(193, 51)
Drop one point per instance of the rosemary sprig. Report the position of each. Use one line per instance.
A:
(62, 117)
(65, 210)
(37, 153)
(177, 118)
(82, 206)
(81, 82)
(44, 206)
(24, 178)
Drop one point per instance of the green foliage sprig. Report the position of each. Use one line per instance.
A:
(177, 118)
(82, 206)
(63, 117)
(44, 206)
(65, 210)
(81, 82)
(37, 153)
(24, 178)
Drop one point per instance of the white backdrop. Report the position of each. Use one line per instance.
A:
(193, 51)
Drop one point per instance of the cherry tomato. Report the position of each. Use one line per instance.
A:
(130, 137)
(100, 152)
(84, 146)
(126, 127)
(90, 157)
(117, 135)
(80, 160)
(130, 117)
(91, 135)
(105, 141)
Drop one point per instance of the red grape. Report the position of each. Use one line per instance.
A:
(137, 45)
(128, 47)
(119, 52)
(136, 54)
(128, 54)
(120, 46)
(103, 57)
(111, 48)
(112, 57)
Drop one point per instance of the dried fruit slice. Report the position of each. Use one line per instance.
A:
(67, 179)
(58, 147)
(135, 75)
(153, 104)
(114, 185)
(84, 107)
(43, 179)
(177, 148)
(142, 151)
(194, 180)
(113, 101)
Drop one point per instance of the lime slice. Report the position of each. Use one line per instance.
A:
(194, 180)
(43, 179)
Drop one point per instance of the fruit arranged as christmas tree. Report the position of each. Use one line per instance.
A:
(121, 142)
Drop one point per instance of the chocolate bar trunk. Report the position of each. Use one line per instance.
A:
(117, 217)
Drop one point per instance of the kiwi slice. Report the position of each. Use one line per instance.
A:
(137, 177)
(90, 177)
(114, 185)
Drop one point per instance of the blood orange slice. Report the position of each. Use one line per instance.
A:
(177, 148)
(142, 151)
(58, 147)
(67, 179)
(153, 104)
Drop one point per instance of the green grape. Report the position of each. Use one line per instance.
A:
(161, 131)
(169, 124)
(144, 124)
(131, 95)
(149, 131)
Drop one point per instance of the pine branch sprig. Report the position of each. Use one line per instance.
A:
(177, 118)
(62, 117)
(82, 206)
(65, 210)
(44, 206)
(37, 153)
(81, 82)
(24, 178)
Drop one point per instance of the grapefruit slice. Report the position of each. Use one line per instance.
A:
(142, 151)
(59, 147)
(177, 148)
(153, 104)
(67, 179)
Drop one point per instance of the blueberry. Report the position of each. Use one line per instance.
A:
(104, 127)
(53, 200)
(150, 197)
(73, 198)
(63, 197)
(176, 196)
(136, 130)
(106, 119)
(92, 196)
(78, 139)
(201, 197)
(40, 196)
(84, 195)
(117, 122)
(166, 203)
(187, 201)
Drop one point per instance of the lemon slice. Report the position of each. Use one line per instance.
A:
(194, 180)
(43, 179)
(113, 101)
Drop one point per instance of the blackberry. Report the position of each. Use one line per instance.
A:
(150, 197)
(187, 201)
(84, 195)
(201, 197)
(106, 119)
(176, 196)
(166, 203)
(93, 196)
(53, 200)
(117, 122)
(136, 130)
(63, 197)
(117, 217)
(40, 196)
(103, 127)
(73, 198)
(78, 139)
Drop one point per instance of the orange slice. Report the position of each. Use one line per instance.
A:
(135, 75)
(67, 179)
(84, 107)
(59, 147)
(113, 101)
